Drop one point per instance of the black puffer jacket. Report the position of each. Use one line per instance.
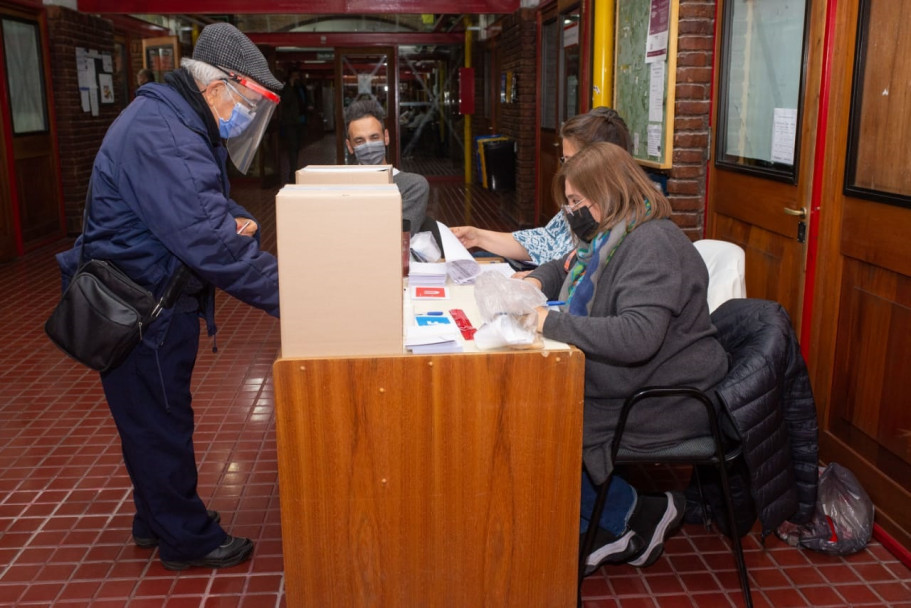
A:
(767, 393)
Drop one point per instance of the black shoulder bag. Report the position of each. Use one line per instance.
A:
(102, 314)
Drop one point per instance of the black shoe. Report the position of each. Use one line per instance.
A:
(233, 551)
(610, 549)
(654, 519)
(147, 542)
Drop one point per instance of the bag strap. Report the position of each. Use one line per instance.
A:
(175, 284)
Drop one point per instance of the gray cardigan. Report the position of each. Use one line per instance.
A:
(415, 191)
(649, 326)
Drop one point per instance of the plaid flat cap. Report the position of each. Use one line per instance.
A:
(223, 45)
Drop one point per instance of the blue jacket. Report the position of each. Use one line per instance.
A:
(160, 195)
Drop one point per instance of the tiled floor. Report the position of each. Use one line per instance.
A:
(65, 503)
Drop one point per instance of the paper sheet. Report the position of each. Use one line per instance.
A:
(656, 92)
(784, 134)
(460, 265)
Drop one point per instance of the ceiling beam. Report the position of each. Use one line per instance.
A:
(298, 7)
(352, 39)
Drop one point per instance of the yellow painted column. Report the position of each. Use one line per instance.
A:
(469, 39)
(603, 53)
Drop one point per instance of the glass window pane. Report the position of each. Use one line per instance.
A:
(761, 84)
(24, 76)
(570, 67)
(880, 127)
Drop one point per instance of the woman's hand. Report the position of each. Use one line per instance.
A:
(245, 226)
(531, 280)
(535, 319)
(469, 236)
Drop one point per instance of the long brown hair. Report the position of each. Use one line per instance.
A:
(598, 124)
(612, 180)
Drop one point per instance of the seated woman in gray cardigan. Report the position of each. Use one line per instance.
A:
(635, 293)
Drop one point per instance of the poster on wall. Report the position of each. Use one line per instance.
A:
(161, 55)
(658, 25)
(106, 88)
(93, 75)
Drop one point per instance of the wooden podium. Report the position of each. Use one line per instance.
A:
(447, 481)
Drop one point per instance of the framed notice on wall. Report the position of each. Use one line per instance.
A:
(161, 55)
(645, 76)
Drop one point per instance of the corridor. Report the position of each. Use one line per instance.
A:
(65, 505)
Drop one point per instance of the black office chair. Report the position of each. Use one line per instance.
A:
(708, 450)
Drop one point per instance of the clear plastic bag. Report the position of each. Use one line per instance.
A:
(508, 310)
(843, 522)
(424, 247)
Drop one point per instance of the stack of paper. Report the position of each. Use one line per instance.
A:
(426, 273)
(429, 339)
(460, 264)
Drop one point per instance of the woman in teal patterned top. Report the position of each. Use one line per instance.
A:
(539, 245)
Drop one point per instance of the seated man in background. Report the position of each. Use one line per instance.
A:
(367, 138)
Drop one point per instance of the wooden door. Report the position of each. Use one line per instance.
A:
(560, 95)
(31, 210)
(767, 81)
(861, 324)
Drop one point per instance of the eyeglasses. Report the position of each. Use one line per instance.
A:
(251, 105)
(573, 205)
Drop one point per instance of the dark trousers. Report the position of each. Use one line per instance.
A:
(149, 398)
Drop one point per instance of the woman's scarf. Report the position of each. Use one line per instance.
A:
(579, 287)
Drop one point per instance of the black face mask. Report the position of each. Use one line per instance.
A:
(582, 223)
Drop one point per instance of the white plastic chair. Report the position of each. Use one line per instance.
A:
(726, 263)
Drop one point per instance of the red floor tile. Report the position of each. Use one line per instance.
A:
(66, 506)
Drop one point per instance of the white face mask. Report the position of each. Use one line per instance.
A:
(370, 153)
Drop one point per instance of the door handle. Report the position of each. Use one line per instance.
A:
(799, 213)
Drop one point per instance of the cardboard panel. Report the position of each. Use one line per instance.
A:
(344, 174)
(340, 269)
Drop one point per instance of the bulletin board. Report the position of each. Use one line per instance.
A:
(645, 67)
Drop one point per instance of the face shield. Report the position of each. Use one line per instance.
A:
(256, 104)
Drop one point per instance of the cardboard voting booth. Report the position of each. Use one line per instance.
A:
(344, 174)
(340, 269)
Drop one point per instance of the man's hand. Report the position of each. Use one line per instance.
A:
(245, 226)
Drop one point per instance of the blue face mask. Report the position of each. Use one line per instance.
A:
(237, 123)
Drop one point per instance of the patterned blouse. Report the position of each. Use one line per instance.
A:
(548, 243)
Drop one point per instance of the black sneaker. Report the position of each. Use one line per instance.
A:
(654, 519)
(233, 551)
(610, 549)
(147, 542)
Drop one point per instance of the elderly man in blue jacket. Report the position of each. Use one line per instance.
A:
(160, 198)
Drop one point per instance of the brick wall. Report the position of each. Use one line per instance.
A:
(686, 182)
(79, 134)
